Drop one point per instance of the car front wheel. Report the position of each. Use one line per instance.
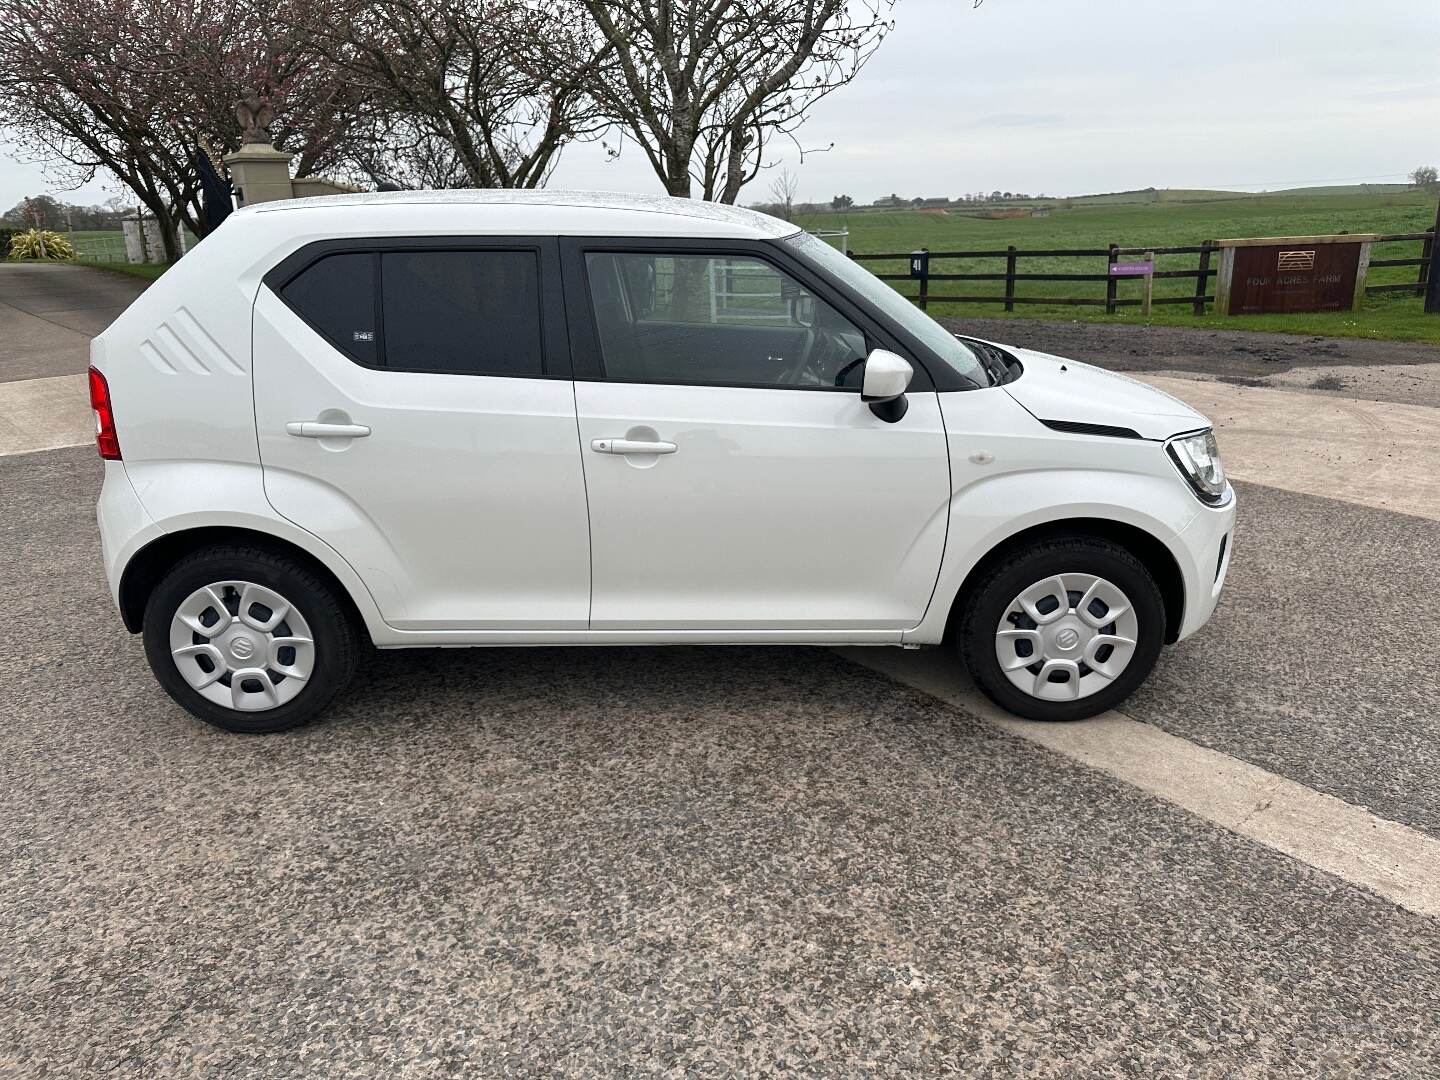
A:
(248, 640)
(1063, 629)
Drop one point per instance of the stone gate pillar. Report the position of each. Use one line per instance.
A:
(260, 173)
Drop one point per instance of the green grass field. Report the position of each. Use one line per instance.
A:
(1171, 221)
(1130, 219)
(99, 243)
(104, 245)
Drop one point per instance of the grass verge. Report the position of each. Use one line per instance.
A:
(148, 271)
(1385, 320)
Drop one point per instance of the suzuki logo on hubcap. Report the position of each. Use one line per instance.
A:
(1067, 639)
(242, 648)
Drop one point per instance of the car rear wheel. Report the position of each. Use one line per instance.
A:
(248, 640)
(1063, 629)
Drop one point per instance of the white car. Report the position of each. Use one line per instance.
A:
(503, 418)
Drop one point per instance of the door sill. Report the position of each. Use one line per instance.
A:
(391, 638)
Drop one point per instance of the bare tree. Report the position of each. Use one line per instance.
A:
(459, 94)
(782, 190)
(133, 88)
(1425, 176)
(703, 86)
(398, 151)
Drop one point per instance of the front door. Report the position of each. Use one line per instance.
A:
(415, 412)
(736, 481)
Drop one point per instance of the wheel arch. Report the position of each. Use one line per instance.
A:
(149, 565)
(1145, 546)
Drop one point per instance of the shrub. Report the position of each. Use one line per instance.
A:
(40, 244)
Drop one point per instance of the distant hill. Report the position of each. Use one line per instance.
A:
(1146, 196)
(1345, 189)
(1136, 197)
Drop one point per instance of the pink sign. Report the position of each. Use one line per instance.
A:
(1131, 269)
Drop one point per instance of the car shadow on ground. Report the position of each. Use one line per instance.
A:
(612, 688)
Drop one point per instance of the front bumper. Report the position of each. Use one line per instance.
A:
(1203, 550)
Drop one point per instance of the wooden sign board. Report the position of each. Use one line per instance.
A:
(1291, 273)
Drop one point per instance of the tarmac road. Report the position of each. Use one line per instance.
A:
(540, 862)
(707, 862)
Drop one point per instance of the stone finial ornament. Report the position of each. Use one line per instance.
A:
(255, 115)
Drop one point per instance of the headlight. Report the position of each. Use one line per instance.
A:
(1199, 459)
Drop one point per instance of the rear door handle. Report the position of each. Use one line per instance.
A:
(631, 446)
(314, 429)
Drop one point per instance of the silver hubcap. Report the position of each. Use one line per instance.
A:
(242, 646)
(1067, 636)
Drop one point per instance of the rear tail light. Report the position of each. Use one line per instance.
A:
(105, 438)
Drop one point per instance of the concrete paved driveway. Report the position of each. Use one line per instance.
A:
(48, 314)
(721, 861)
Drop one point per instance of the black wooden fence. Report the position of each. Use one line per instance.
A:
(922, 271)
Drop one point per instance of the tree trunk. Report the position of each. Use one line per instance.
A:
(678, 186)
(691, 302)
(169, 240)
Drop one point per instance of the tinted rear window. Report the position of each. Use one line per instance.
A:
(465, 311)
(337, 297)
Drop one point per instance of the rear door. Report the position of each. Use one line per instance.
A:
(736, 481)
(415, 411)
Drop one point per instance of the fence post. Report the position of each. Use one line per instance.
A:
(140, 227)
(1112, 285)
(1203, 279)
(920, 268)
(1010, 278)
(1432, 284)
(1427, 252)
(1149, 285)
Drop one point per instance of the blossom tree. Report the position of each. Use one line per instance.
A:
(134, 87)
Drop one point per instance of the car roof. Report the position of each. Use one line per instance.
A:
(542, 211)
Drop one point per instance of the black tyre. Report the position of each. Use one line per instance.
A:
(249, 640)
(1063, 629)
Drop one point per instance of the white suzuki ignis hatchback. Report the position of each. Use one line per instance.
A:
(502, 418)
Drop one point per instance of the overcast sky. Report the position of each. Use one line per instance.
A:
(1077, 96)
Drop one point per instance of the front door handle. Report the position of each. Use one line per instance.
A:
(631, 446)
(314, 429)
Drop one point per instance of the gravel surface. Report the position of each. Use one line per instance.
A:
(633, 862)
(1355, 367)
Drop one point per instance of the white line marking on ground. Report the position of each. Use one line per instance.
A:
(45, 414)
(1394, 861)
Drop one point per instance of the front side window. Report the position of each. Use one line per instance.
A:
(717, 320)
(946, 345)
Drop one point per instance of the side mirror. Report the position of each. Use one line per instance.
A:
(886, 378)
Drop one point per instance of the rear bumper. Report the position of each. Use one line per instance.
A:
(1203, 550)
(125, 527)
